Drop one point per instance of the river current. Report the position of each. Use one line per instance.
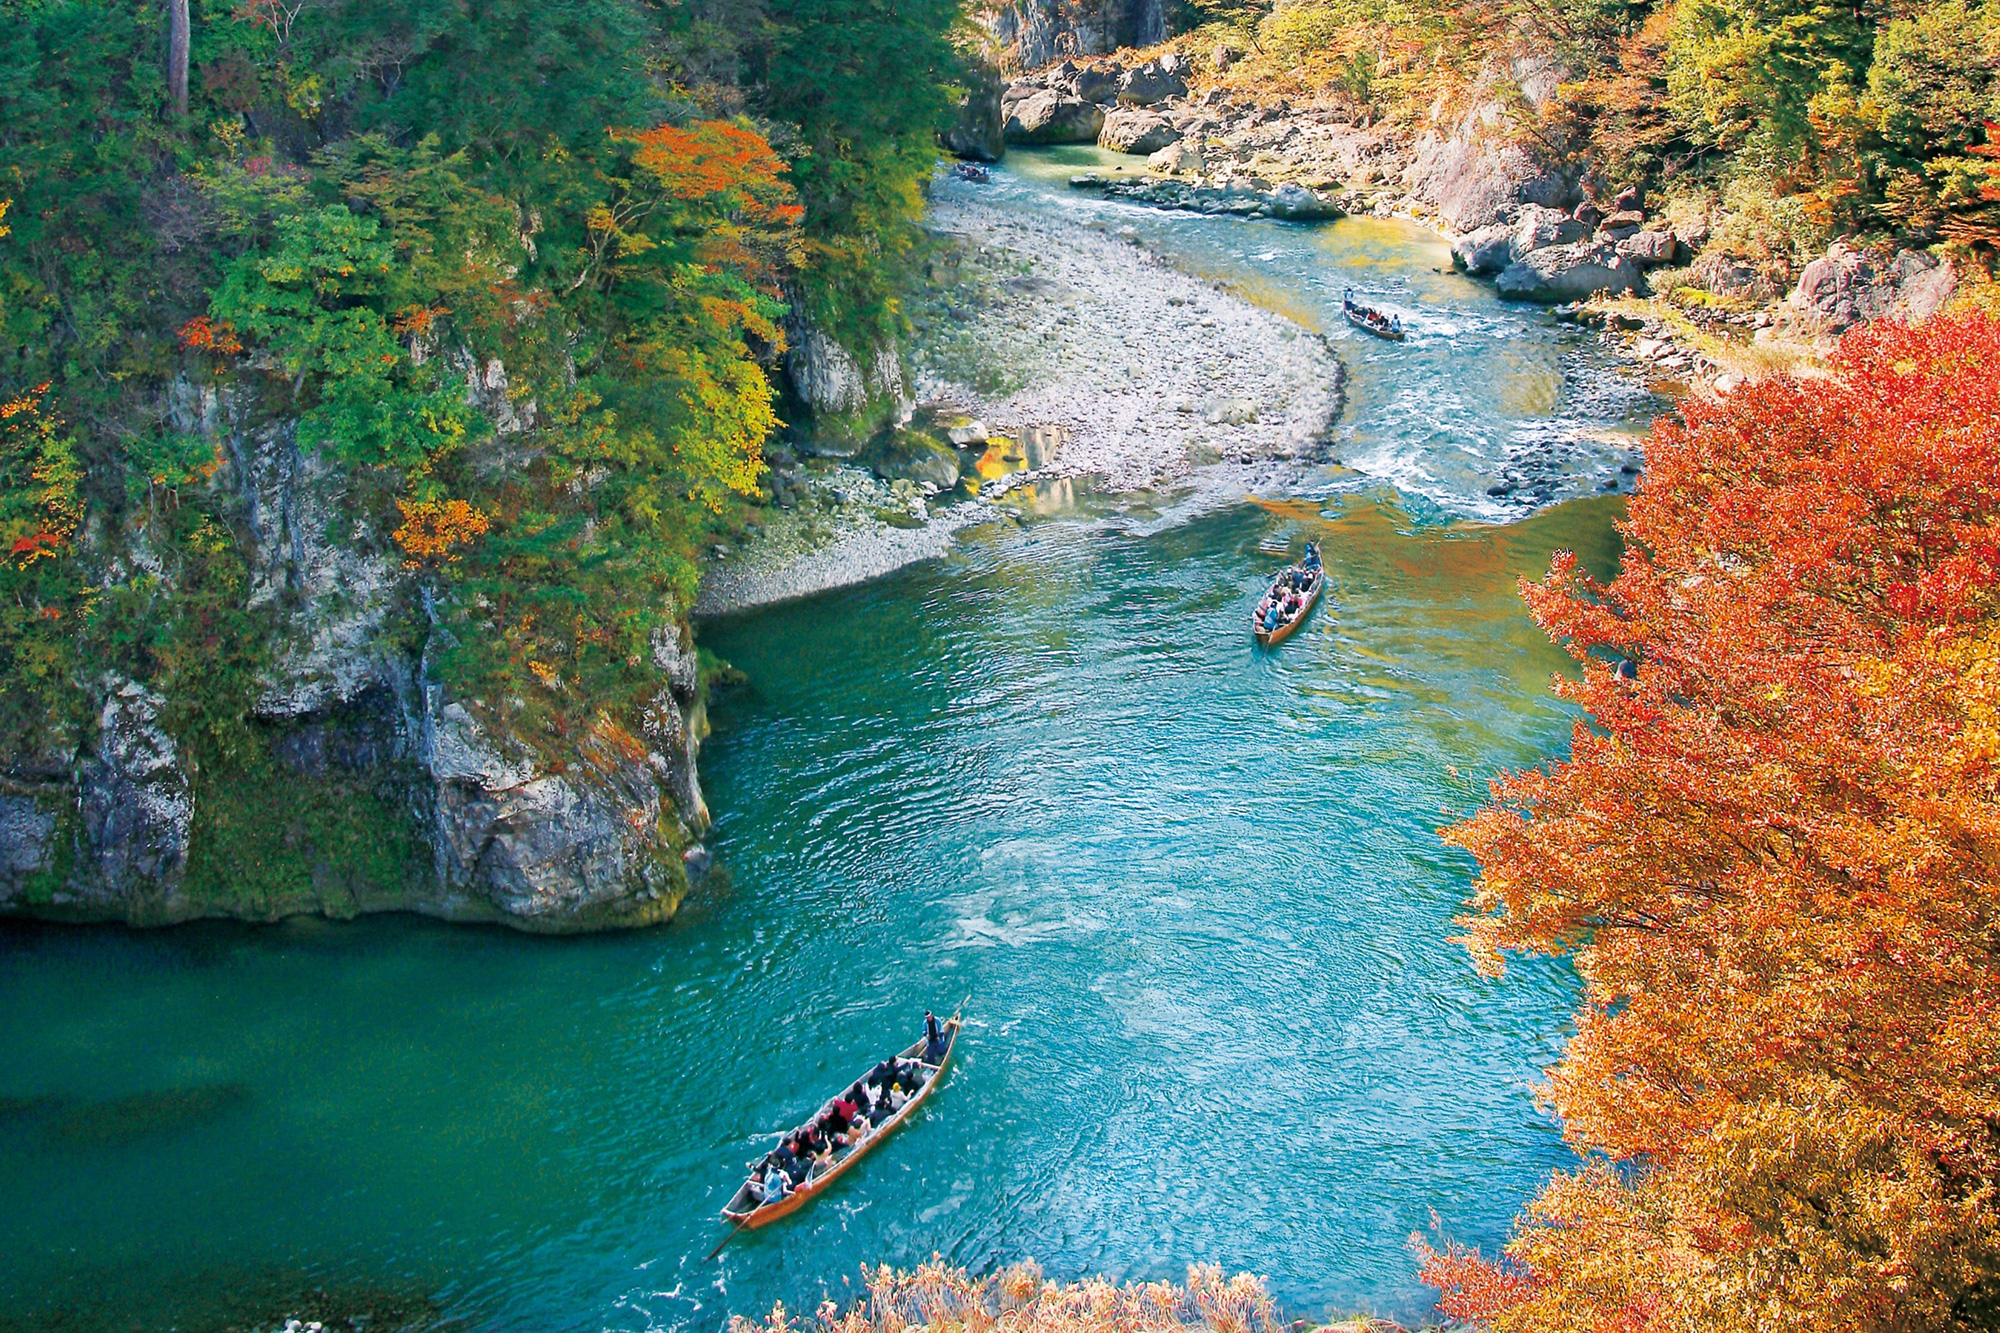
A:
(1190, 892)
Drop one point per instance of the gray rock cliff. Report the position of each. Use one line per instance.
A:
(380, 789)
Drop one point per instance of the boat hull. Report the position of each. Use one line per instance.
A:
(1387, 335)
(814, 1186)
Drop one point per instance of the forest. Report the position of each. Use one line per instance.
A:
(335, 213)
(1791, 123)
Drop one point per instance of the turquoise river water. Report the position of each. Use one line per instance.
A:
(1192, 891)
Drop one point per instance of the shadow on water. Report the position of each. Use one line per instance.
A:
(136, 1116)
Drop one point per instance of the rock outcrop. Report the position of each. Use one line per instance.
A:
(1846, 286)
(363, 783)
(1033, 33)
(1473, 179)
(846, 403)
(978, 128)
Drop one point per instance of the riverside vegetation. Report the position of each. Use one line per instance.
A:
(372, 375)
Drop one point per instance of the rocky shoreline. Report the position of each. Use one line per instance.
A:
(1668, 289)
(1043, 351)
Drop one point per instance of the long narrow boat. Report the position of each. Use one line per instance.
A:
(1372, 321)
(745, 1209)
(1271, 638)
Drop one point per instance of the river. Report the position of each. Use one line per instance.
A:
(1192, 892)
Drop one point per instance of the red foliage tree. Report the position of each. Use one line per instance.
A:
(1775, 855)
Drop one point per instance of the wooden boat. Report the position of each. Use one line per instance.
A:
(745, 1210)
(1372, 321)
(1286, 628)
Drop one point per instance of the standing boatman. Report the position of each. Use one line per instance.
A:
(933, 1040)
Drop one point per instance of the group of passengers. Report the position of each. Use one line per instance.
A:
(1288, 593)
(1374, 318)
(848, 1119)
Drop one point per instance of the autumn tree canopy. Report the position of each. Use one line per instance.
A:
(1775, 856)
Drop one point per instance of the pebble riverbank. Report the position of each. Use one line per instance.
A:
(1130, 373)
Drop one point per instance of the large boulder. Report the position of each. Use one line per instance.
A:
(1295, 203)
(1150, 83)
(1178, 159)
(1051, 117)
(1484, 252)
(1132, 130)
(1847, 286)
(1018, 92)
(1099, 84)
(1474, 183)
(978, 127)
(1538, 228)
(913, 455)
(1568, 273)
(1650, 249)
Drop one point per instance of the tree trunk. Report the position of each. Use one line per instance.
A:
(177, 54)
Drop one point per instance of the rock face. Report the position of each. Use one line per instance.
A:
(1033, 33)
(1051, 117)
(847, 403)
(1128, 130)
(1568, 273)
(1847, 286)
(1473, 182)
(370, 784)
(978, 128)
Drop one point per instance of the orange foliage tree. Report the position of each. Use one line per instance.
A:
(1775, 855)
(435, 532)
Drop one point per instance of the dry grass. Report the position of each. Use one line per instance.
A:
(938, 1298)
(1748, 361)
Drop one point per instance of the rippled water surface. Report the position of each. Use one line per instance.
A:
(1191, 890)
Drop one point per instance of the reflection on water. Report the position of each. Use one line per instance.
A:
(1192, 889)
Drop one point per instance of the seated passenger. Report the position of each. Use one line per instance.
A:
(774, 1185)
